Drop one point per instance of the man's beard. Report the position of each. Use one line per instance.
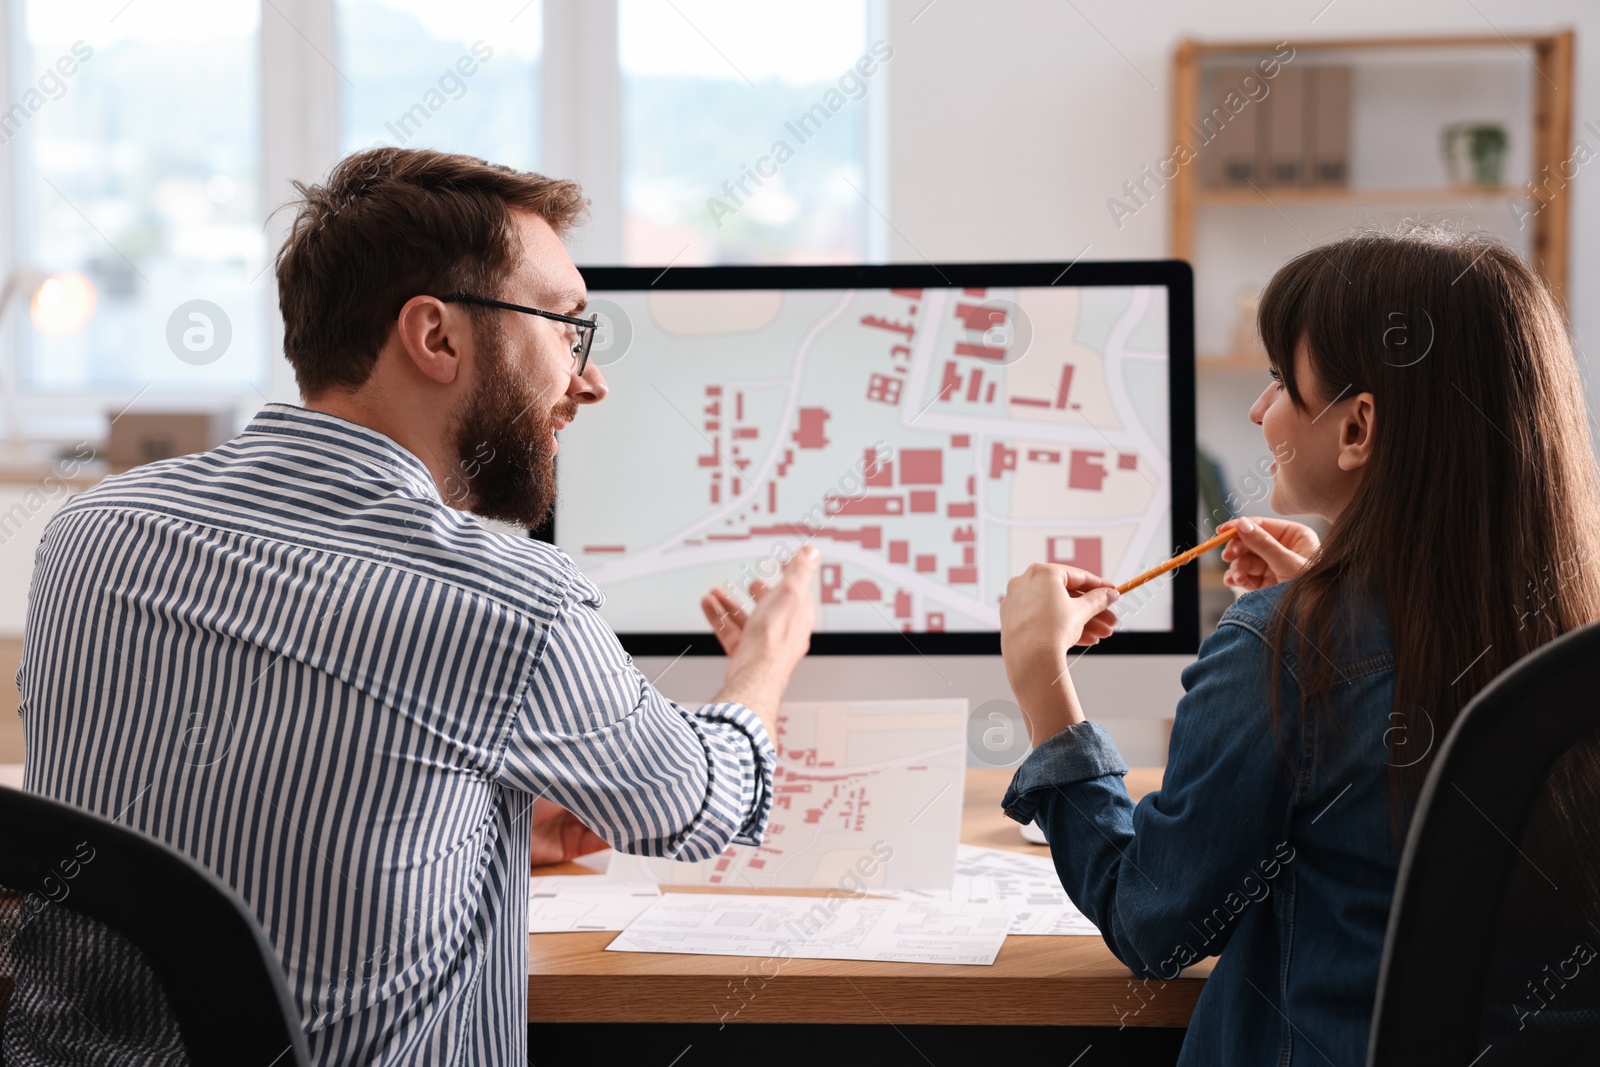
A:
(505, 440)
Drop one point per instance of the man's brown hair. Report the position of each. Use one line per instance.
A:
(390, 224)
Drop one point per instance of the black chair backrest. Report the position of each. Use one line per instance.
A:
(111, 936)
(1493, 952)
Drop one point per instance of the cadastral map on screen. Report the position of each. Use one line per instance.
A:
(932, 443)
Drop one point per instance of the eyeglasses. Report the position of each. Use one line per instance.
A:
(586, 327)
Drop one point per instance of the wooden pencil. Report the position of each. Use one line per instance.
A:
(1179, 560)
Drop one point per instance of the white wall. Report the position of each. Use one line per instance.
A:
(1012, 123)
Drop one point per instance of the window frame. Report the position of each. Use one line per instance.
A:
(300, 139)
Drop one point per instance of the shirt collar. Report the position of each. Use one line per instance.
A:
(332, 433)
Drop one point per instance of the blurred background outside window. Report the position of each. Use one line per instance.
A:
(739, 144)
(138, 177)
(457, 76)
(140, 171)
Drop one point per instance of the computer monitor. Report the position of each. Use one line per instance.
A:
(933, 429)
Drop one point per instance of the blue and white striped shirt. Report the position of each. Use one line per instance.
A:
(289, 658)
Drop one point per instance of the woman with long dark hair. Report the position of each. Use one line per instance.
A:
(1426, 402)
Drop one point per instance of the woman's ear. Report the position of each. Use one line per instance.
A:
(1355, 432)
(432, 337)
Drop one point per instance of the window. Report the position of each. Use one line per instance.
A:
(146, 144)
(461, 76)
(743, 130)
(133, 135)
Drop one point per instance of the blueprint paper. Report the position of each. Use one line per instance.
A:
(562, 903)
(834, 928)
(1026, 884)
(866, 794)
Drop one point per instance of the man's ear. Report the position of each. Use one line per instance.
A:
(435, 337)
(1355, 432)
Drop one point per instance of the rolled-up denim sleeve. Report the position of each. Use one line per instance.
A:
(1166, 879)
(648, 775)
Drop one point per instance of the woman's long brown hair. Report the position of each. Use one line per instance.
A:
(1476, 525)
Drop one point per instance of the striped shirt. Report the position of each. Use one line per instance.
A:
(290, 659)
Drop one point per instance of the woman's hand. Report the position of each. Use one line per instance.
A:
(1266, 552)
(1055, 606)
(1047, 609)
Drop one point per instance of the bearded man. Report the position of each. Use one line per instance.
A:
(303, 659)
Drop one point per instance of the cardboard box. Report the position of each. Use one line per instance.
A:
(136, 437)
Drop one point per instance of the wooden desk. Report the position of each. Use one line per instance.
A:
(1062, 981)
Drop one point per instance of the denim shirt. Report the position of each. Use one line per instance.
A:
(1274, 851)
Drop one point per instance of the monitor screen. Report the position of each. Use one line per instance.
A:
(933, 429)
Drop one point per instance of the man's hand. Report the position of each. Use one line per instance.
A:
(558, 836)
(1266, 552)
(765, 643)
(1047, 609)
(778, 626)
(726, 617)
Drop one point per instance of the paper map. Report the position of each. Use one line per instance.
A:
(1026, 884)
(855, 781)
(834, 928)
(561, 903)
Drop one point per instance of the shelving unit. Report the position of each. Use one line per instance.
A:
(1340, 195)
(1548, 58)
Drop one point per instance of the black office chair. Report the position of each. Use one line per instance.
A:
(114, 948)
(1493, 952)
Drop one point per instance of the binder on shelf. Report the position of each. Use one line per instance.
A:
(1328, 105)
(1284, 144)
(1227, 140)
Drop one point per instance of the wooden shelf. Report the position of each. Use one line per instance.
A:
(1346, 44)
(1550, 142)
(1231, 361)
(1265, 196)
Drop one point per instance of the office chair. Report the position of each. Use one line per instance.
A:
(117, 948)
(1493, 953)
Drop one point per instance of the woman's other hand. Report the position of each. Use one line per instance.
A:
(1266, 552)
(1047, 609)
